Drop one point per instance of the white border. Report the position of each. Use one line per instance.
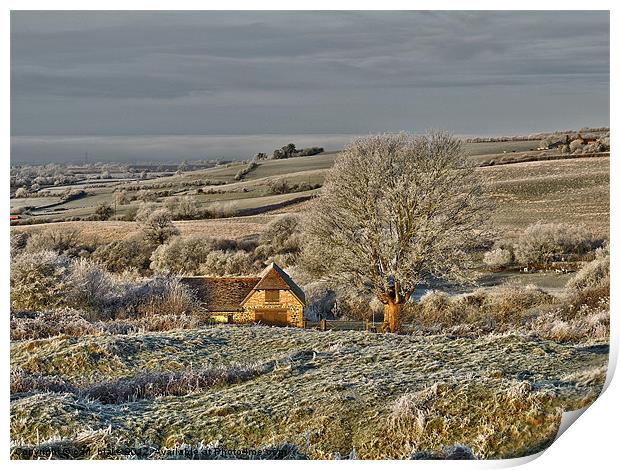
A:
(590, 443)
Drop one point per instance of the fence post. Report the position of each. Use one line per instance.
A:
(322, 325)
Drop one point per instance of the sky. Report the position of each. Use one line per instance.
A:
(187, 85)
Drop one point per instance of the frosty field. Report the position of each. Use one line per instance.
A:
(313, 394)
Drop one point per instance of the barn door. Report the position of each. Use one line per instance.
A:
(272, 316)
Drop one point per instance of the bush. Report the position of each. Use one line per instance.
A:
(18, 242)
(356, 307)
(47, 324)
(183, 208)
(594, 274)
(58, 240)
(545, 243)
(164, 294)
(39, 280)
(90, 286)
(222, 209)
(247, 169)
(156, 225)
(71, 322)
(576, 146)
(120, 255)
(21, 193)
(498, 258)
(281, 186)
(281, 238)
(320, 301)
(585, 324)
(103, 211)
(184, 255)
(223, 263)
(500, 308)
(122, 198)
(507, 303)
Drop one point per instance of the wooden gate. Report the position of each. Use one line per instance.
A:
(272, 316)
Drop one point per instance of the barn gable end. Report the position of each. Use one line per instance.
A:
(270, 298)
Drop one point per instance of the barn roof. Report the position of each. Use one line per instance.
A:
(221, 294)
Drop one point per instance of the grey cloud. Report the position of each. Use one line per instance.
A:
(298, 72)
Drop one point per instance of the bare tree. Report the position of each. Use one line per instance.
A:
(396, 209)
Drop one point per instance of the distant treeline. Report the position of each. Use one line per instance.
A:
(289, 151)
(537, 136)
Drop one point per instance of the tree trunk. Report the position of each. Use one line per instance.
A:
(391, 316)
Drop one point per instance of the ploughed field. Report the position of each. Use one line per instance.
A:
(294, 393)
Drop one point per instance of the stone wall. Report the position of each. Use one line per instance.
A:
(287, 301)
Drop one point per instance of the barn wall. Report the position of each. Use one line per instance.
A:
(287, 301)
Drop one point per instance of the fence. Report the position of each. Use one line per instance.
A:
(342, 325)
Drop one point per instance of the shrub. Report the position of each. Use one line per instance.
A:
(220, 263)
(90, 286)
(507, 303)
(576, 146)
(47, 324)
(59, 240)
(320, 301)
(356, 307)
(74, 323)
(122, 198)
(146, 196)
(499, 308)
(184, 255)
(281, 186)
(72, 194)
(436, 309)
(38, 280)
(498, 258)
(544, 243)
(247, 169)
(594, 274)
(280, 237)
(222, 209)
(156, 225)
(21, 193)
(18, 242)
(183, 208)
(309, 151)
(130, 253)
(586, 324)
(164, 294)
(103, 211)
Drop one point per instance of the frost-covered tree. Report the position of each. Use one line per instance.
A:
(396, 209)
(157, 225)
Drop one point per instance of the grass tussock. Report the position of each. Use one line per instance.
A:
(431, 420)
(68, 322)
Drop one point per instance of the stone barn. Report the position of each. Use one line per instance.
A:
(271, 298)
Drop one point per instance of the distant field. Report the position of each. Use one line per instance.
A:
(487, 148)
(567, 190)
(572, 191)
